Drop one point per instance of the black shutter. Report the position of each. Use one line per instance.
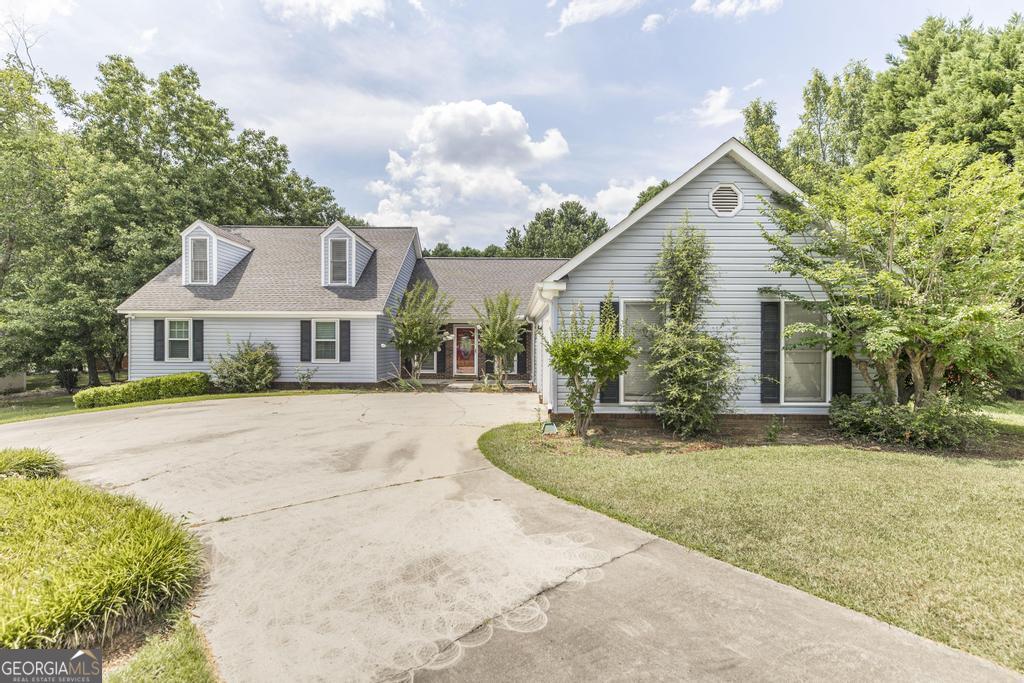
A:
(344, 340)
(524, 339)
(305, 340)
(771, 354)
(441, 357)
(197, 340)
(158, 340)
(842, 376)
(610, 390)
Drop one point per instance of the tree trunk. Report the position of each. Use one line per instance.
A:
(892, 380)
(917, 377)
(113, 362)
(94, 375)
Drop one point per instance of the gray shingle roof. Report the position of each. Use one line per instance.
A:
(469, 280)
(282, 273)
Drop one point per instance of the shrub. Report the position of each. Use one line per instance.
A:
(149, 389)
(252, 367)
(80, 565)
(29, 463)
(694, 370)
(67, 378)
(942, 423)
(305, 376)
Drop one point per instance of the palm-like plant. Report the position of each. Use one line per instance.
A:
(499, 326)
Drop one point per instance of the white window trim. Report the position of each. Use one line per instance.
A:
(313, 340)
(424, 371)
(455, 350)
(349, 258)
(167, 340)
(782, 367)
(209, 260)
(739, 204)
(622, 328)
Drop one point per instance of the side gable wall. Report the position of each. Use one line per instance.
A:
(228, 256)
(387, 355)
(363, 255)
(740, 257)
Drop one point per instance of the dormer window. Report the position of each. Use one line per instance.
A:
(339, 261)
(199, 260)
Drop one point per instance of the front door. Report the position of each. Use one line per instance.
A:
(465, 351)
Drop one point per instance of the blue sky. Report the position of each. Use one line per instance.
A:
(464, 117)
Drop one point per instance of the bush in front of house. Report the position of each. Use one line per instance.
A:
(149, 389)
(252, 367)
(80, 565)
(944, 422)
(29, 463)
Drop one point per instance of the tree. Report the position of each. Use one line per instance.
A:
(589, 354)
(694, 370)
(500, 325)
(648, 194)
(556, 233)
(443, 249)
(919, 255)
(419, 322)
(761, 131)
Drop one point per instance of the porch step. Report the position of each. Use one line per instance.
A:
(459, 386)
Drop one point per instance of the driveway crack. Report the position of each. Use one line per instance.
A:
(542, 591)
(339, 495)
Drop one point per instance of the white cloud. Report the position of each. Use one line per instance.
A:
(146, 38)
(714, 109)
(35, 11)
(652, 22)
(586, 11)
(615, 201)
(756, 83)
(734, 8)
(330, 12)
(467, 152)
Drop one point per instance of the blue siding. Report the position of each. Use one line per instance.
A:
(741, 259)
(387, 355)
(363, 255)
(228, 256)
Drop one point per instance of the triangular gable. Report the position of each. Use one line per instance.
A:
(732, 148)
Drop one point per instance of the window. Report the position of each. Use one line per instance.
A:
(199, 257)
(725, 200)
(637, 385)
(339, 262)
(325, 340)
(429, 363)
(179, 340)
(804, 369)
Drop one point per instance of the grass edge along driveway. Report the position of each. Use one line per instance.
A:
(927, 543)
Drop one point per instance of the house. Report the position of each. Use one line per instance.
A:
(321, 296)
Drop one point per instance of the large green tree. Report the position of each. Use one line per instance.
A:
(919, 255)
(557, 233)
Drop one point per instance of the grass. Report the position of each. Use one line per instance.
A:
(78, 565)
(54, 406)
(1008, 416)
(29, 463)
(175, 656)
(928, 543)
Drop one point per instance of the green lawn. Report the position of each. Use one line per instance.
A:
(176, 656)
(1008, 415)
(929, 543)
(53, 406)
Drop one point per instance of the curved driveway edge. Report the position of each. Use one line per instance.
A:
(364, 536)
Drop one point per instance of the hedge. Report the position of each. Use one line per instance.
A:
(150, 389)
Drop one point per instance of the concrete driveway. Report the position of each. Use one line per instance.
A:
(362, 536)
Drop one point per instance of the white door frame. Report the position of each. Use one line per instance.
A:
(476, 350)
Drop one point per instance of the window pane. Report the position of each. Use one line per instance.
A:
(428, 362)
(177, 348)
(325, 350)
(805, 368)
(339, 260)
(199, 260)
(325, 330)
(177, 329)
(637, 385)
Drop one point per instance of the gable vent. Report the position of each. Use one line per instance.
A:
(726, 200)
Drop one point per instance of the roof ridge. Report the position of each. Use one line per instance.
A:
(497, 258)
